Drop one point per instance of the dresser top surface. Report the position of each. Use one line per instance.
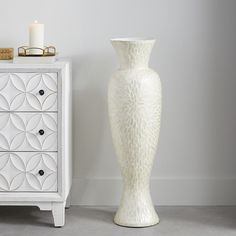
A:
(60, 63)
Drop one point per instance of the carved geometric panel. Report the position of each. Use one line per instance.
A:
(28, 131)
(21, 91)
(21, 171)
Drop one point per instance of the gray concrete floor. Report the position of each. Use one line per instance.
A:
(177, 221)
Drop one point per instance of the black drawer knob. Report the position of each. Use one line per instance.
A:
(41, 92)
(41, 132)
(41, 172)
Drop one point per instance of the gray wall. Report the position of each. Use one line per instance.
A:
(195, 56)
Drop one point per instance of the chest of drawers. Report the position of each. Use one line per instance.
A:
(35, 136)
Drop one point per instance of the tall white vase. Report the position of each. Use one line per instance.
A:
(134, 100)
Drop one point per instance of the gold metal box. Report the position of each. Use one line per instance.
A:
(6, 53)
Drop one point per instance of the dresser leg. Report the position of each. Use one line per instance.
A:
(58, 212)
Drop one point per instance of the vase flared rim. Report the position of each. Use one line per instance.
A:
(133, 40)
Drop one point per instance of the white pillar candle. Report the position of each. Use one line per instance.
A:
(36, 37)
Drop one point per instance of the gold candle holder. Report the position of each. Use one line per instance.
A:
(25, 51)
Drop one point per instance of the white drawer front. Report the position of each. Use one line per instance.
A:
(28, 131)
(28, 91)
(28, 171)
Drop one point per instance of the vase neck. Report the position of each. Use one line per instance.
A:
(133, 54)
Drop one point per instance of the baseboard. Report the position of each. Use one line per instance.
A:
(165, 191)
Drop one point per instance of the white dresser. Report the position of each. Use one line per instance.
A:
(35, 136)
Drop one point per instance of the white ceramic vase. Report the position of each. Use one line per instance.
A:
(134, 100)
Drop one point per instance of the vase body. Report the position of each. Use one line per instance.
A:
(134, 102)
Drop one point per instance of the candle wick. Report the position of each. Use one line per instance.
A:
(36, 22)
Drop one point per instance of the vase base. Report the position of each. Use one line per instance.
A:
(138, 222)
(136, 225)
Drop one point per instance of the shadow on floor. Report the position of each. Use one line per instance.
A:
(98, 214)
(183, 219)
(12, 215)
(33, 216)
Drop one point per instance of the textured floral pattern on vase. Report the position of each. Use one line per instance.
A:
(134, 100)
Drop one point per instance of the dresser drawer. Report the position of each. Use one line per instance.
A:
(28, 131)
(28, 171)
(28, 91)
